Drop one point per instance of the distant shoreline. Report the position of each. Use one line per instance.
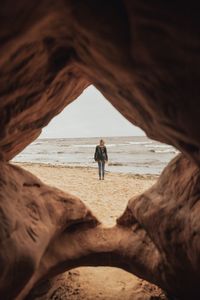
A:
(126, 155)
(91, 137)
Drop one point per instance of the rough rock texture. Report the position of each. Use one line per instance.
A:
(48, 232)
(44, 232)
(70, 286)
(39, 75)
(32, 217)
(167, 216)
(144, 57)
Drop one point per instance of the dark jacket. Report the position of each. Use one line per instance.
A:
(100, 153)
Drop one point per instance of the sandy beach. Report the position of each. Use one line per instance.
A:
(107, 199)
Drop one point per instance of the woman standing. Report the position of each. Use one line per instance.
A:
(101, 157)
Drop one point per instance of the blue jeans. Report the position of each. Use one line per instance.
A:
(101, 165)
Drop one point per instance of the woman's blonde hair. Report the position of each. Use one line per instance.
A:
(101, 141)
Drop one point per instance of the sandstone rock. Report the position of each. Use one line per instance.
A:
(144, 57)
(45, 232)
(74, 286)
(39, 74)
(169, 214)
(32, 216)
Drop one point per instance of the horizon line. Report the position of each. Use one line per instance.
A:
(99, 136)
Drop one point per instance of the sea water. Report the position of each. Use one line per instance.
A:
(136, 155)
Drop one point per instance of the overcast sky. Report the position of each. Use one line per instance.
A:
(90, 115)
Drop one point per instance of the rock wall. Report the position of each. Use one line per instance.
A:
(144, 57)
(169, 214)
(39, 74)
(32, 217)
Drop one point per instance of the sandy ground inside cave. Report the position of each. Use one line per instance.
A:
(107, 199)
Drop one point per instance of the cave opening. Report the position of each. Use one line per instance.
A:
(66, 162)
(70, 139)
(144, 57)
(63, 155)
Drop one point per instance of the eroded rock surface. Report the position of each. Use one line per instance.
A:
(32, 216)
(144, 57)
(71, 285)
(45, 232)
(39, 74)
(168, 213)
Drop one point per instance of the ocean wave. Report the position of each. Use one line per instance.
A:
(38, 143)
(164, 151)
(91, 145)
(125, 154)
(157, 146)
(111, 145)
(141, 143)
(83, 146)
(63, 145)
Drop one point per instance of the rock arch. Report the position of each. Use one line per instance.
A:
(144, 58)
